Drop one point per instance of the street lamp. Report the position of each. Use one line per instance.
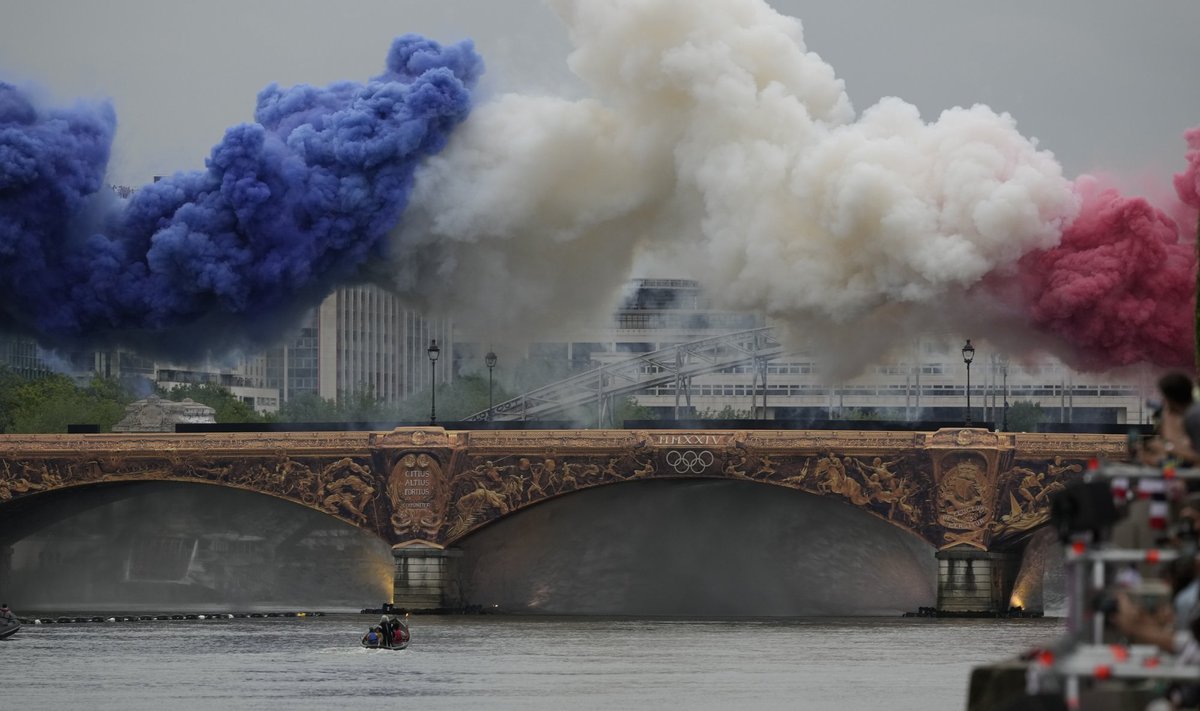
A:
(490, 360)
(433, 352)
(968, 353)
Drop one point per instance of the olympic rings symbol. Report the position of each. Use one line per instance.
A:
(689, 461)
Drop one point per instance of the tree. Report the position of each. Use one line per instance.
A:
(464, 397)
(467, 395)
(1024, 416)
(10, 381)
(362, 405)
(627, 408)
(726, 413)
(50, 403)
(308, 407)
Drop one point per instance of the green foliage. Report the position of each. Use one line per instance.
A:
(627, 408)
(455, 401)
(308, 407)
(467, 395)
(49, 403)
(359, 405)
(726, 413)
(362, 405)
(1024, 416)
(9, 382)
(228, 407)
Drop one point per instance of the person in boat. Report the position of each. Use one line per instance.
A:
(372, 637)
(399, 634)
(6, 615)
(386, 631)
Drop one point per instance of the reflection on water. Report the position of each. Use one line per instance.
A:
(502, 662)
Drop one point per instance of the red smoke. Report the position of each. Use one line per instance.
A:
(1120, 288)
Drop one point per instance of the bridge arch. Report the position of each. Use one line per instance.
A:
(41, 509)
(693, 546)
(482, 498)
(180, 545)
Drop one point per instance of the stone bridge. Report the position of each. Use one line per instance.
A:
(975, 496)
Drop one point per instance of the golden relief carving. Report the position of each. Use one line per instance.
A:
(842, 440)
(1027, 489)
(534, 442)
(963, 499)
(953, 487)
(418, 493)
(346, 491)
(342, 487)
(1071, 446)
(968, 438)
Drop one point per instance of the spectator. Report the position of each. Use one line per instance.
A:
(1179, 427)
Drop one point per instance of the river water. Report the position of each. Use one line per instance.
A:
(510, 662)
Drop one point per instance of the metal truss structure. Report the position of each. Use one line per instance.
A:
(596, 389)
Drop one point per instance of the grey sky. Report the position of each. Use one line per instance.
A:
(1104, 84)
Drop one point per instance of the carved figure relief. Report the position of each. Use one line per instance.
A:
(1026, 504)
(833, 477)
(964, 500)
(957, 501)
(347, 491)
(469, 509)
(884, 487)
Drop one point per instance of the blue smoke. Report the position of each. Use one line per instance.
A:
(289, 207)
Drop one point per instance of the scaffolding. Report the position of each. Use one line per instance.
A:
(1093, 657)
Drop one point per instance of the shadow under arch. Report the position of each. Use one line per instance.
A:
(145, 545)
(696, 547)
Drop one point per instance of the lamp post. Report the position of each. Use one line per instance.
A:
(968, 354)
(490, 360)
(433, 352)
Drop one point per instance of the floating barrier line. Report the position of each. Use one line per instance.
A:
(86, 619)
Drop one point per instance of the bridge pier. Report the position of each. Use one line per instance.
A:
(424, 577)
(971, 581)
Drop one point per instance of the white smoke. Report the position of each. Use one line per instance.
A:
(716, 141)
